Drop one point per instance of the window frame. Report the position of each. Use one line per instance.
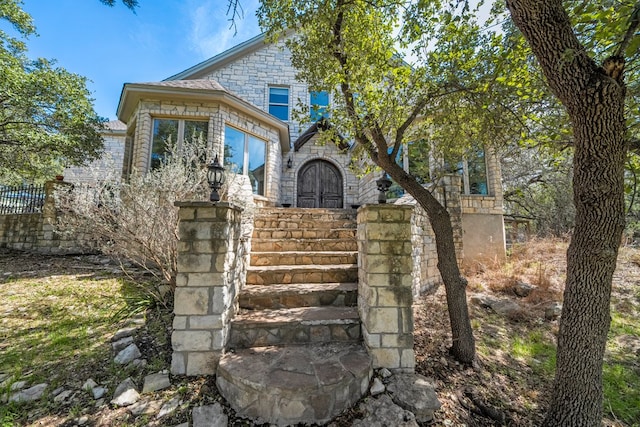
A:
(180, 132)
(245, 154)
(279, 104)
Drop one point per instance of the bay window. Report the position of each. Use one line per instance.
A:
(173, 132)
(246, 154)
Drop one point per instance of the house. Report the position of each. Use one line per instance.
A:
(241, 103)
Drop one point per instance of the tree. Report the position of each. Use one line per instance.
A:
(594, 97)
(47, 120)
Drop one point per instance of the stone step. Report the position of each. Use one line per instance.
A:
(285, 274)
(300, 325)
(305, 214)
(304, 233)
(299, 384)
(303, 224)
(299, 295)
(303, 257)
(313, 245)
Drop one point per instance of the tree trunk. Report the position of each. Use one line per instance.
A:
(463, 348)
(594, 100)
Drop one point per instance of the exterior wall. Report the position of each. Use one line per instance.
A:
(108, 166)
(482, 218)
(250, 76)
(312, 150)
(36, 232)
(218, 116)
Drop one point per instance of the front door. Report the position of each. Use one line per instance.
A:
(319, 185)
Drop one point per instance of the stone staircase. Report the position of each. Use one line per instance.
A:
(296, 342)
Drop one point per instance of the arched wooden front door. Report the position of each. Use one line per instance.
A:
(319, 185)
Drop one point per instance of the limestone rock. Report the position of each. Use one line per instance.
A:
(155, 382)
(30, 394)
(209, 416)
(125, 394)
(121, 343)
(382, 412)
(385, 373)
(127, 355)
(169, 407)
(18, 385)
(414, 393)
(122, 333)
(503, 306)
(89, 384)
(62, 396)
(98, 392)
(523, 289)
(145, 407)
(377, 387)
(553, 311)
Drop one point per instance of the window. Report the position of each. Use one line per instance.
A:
(279, 102)
(245, 154)
(476, 173)
(169, 132)
(318, 102)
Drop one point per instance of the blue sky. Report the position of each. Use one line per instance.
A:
(113, 46)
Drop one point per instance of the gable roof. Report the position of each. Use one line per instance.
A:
(203, 68)
(202, 90)
(316, 128)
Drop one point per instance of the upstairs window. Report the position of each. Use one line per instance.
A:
(318, 102)
(476, 176)
(279, 102)
(245, 154)
(167, 132)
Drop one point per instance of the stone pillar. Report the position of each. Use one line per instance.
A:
(210, 271)
(384, 285)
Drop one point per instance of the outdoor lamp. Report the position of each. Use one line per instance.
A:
(290, 163)
(383, 186)
(215, 176)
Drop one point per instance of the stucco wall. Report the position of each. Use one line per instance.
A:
(483, 236)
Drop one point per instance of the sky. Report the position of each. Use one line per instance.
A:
(112, 46)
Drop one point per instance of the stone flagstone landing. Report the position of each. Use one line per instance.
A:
(297, 353)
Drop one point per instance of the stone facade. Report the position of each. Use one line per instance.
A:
(211, 269)
(36, 231)
(385, 285)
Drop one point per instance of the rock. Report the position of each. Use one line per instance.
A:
(122, 333)
(385, 373)
(3, 377)
(89, 384)
(209, 416)
(125, 394)
(414, 393)
(128, 354)
(98, 392)
(139, 363)
(62, 396)
(57, 391)
(121, 343)
(377, 387)
(523, 289)
(30, 394)
(382, 412)
(182, 425)
(18, 385)
(155, 382)
(99, 403)
(553, 311)
(169, 407)
(82, 420)
(145, 407)
(503, 307)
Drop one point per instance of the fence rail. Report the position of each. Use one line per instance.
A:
(21, 199)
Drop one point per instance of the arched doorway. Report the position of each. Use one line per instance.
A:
(319, 185)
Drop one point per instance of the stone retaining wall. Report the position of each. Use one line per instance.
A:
(211, 270)
(36, 232)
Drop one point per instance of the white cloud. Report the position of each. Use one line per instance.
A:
(211, 31)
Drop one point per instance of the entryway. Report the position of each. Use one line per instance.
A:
(319, 185)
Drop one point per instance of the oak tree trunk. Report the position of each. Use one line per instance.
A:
(463, 347)
(594, 99)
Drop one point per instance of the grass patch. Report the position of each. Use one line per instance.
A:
(537, 350)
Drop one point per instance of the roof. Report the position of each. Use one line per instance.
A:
(115, 126)
(316, 128)
(201, 90)
(203, 68)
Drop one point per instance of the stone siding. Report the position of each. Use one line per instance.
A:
(384, 285)
(210, 272)
(107, 167)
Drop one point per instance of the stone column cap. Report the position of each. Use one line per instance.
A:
(206, 204)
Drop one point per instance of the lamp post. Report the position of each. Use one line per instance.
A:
(383, 186)
(215, 176)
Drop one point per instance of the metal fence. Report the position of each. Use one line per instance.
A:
(21, 199)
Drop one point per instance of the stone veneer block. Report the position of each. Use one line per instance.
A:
(191, 301)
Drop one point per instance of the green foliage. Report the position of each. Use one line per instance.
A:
(131, 4)
(47, 120)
